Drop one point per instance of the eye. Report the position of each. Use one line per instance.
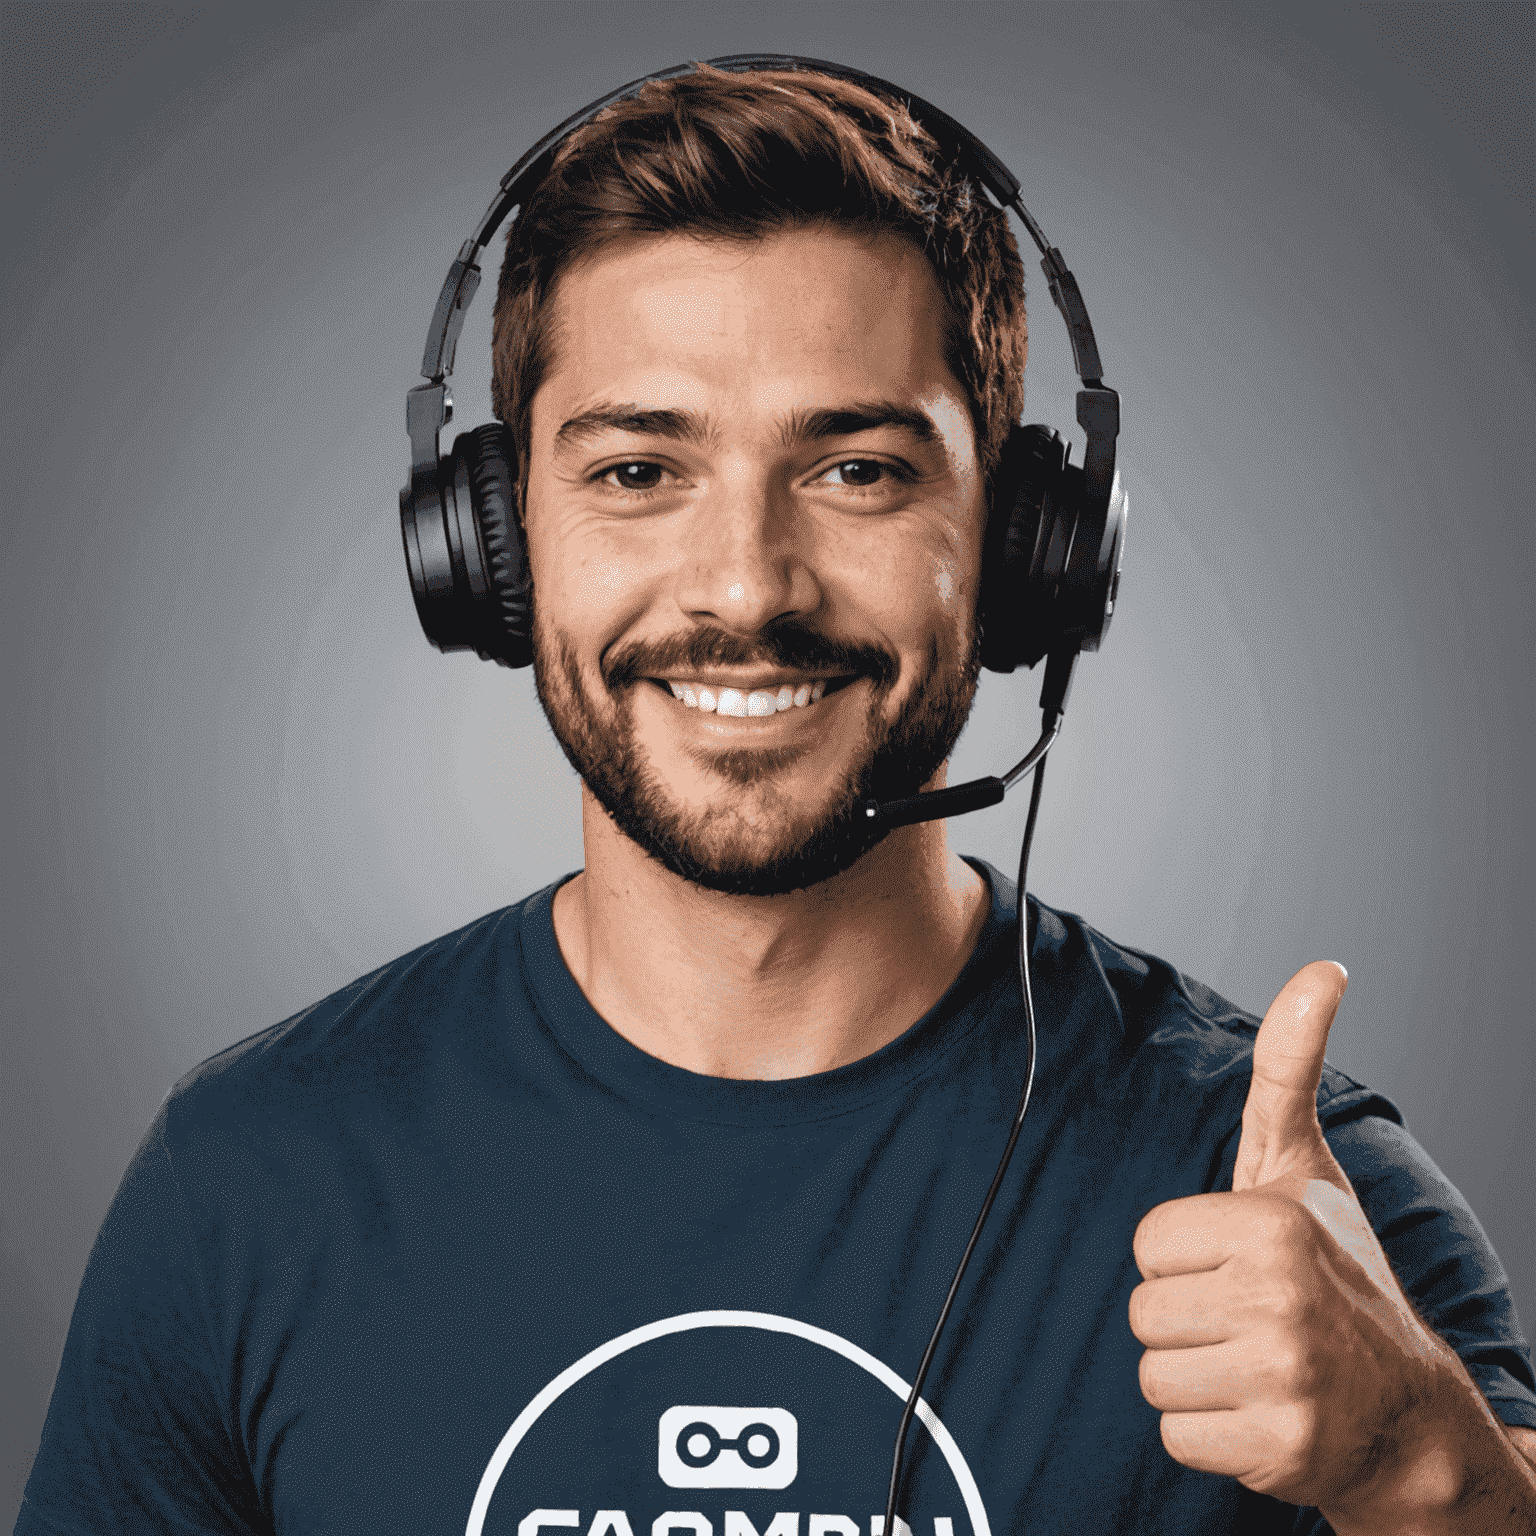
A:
(863, 472)
(635, 476)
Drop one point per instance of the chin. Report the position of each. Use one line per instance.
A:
(717, 851)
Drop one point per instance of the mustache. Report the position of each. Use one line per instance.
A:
(792, 646)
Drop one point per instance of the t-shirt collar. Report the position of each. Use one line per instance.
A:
(658, 1086)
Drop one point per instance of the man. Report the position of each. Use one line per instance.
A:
(632, 1205)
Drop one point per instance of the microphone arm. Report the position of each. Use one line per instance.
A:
(979, 793)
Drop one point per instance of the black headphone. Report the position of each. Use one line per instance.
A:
(1055, 530)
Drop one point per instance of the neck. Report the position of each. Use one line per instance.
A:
(767, 987)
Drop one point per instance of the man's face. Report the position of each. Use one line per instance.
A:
(754, 521)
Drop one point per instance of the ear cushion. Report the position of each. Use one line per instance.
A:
(490, 459)
(1028, 530)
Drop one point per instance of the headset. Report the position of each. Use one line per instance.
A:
(1052, 551)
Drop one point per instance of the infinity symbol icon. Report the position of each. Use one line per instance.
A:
(714, 1444)
(701, 1445)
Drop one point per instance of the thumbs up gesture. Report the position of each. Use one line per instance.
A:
(1280, 1348)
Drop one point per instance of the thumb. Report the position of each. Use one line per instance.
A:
(1280, 1129)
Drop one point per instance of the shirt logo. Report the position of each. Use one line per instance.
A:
(597, 1451)
(727, 1447)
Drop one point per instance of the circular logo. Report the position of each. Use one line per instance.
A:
(717, 1447)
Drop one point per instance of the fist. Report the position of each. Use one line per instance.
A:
(1280, 1348)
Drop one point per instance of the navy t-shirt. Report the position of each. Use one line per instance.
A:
(446, 1253)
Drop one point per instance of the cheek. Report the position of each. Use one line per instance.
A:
(954, 600)
(913, 564)
(935, 586)
(920, 594)
(587, 582)
(953, 577)
(943, 571)
(580, 571)
(956, 578)
(600, 579)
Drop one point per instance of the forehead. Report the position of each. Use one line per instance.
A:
(804, 318)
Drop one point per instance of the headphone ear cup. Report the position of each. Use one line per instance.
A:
(464, 550)
(1051, 566)
(490, 461)
(435, 535)
(1027, 536)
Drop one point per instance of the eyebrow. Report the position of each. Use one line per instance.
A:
(799, 427)
(683, 426)
(846, 420)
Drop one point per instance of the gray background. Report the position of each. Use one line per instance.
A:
(237, 776)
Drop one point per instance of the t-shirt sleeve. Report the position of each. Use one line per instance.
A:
(1442, 1257)
(140, 1433)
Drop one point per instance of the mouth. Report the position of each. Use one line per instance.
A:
(774, 696)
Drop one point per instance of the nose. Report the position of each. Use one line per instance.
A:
(748, 560)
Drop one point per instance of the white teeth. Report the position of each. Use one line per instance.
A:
(758, 703)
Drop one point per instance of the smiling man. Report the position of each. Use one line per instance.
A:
(630, 1207)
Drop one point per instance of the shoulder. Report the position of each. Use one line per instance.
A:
(374, 1039)
(1176, 1030)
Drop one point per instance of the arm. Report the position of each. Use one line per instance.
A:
(1284, 1352)
(1441, 1259)
(138, 1435)
(1456, 1469)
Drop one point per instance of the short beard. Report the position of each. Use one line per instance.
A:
(896, 760)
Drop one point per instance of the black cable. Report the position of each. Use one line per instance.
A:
(1002, 1167)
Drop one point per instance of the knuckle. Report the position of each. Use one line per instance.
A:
(1280, 1224)
(1283, 1366)
(1148, 1240)
(1279, 1298)
(1297, 1224)
(1141, 1312)
(1293, 1225)
(1291, 1370)
(1175, 1433)
(1269, 1219)
(1296, 1433)
(1283, 1442)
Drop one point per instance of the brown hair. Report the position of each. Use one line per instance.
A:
(741, 156)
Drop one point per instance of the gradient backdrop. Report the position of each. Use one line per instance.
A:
(237, 775)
